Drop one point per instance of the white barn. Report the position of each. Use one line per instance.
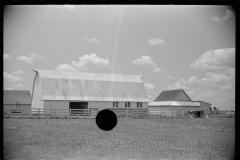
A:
(54, 89)
(178, 101)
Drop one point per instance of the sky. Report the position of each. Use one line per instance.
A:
(173, 47)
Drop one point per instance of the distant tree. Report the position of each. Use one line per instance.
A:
(214, 108)
(210, 108)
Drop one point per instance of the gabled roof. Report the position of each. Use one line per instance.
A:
(173, 95)
(173, 103)
(62, 85)
(17, 96)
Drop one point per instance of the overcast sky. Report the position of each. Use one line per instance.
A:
(173, 47)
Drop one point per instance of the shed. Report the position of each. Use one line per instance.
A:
(54, 89)
(16, 101)
(179, 101)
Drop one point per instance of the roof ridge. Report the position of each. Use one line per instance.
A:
(139, 76)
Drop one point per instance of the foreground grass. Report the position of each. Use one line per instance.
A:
(78, 139)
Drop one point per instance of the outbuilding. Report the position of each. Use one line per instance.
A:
(17, 101)
(179, 101)
(65, 90)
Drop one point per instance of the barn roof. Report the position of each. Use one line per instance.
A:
(173, 95)
(173, 103)
(202, 102)
(62, 85)
(17, 96)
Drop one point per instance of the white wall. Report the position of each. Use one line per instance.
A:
(179, 109)
(37, 94)
(57, 105)
(205, 107)
(61, 107)
(102, 105)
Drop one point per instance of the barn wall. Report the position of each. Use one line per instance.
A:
(64, 105)
(26, 108)
(179, 109)
(144, 104)
(206, 108)
(47, 105)
(102, 105)
(37, 94)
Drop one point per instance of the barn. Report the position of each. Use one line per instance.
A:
(17, 101)
(54, 89)
(178, 100)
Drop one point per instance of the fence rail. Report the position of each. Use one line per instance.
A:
(92, 113)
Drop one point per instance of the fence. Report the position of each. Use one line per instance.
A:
(92, 113)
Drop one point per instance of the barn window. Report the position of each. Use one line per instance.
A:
(115, 104)
(139, 104)
(127, 104)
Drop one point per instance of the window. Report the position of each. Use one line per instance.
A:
(115, 104)
(139, 104)
(127, 104)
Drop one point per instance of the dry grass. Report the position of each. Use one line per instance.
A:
(76, 139)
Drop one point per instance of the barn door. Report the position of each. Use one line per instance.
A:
(75, 106)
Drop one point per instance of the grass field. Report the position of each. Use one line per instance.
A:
(135, 139)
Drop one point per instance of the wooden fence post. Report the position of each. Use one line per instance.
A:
(127, 113)
(38, 114)
(137, 113)
(21, 112)
(70, 113)
(183, 113)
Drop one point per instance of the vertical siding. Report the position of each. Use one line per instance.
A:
(61, 105)
(47, 105)
(144, 105)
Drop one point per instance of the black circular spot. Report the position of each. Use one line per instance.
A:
(106, 120)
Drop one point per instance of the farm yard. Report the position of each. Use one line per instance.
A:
(135, 139)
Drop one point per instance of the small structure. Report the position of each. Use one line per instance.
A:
(54, 89)
(17, 101)
(178, 100)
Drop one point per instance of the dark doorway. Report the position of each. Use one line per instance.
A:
(75, 106)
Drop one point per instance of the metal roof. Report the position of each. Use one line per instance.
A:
(173, 95)
(172, 103)
(202, 102)
(17, 96)
(62, 85)
(88, 76)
